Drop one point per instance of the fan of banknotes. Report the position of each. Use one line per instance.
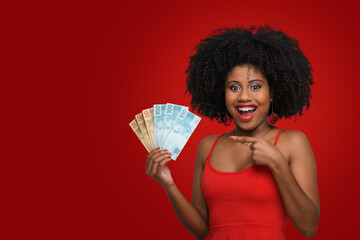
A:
(168, 126)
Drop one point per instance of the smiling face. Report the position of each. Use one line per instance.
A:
(247, 97)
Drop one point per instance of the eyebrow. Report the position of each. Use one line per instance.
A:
(253, 80)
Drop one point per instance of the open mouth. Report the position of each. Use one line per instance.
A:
(246, 113)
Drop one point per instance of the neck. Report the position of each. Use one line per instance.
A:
(259, 131)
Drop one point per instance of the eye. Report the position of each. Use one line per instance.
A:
(255, 87)
(234, 87)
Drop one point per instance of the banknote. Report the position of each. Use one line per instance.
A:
(184, 126)
(141, 122)
(159, 110)
(149, 123)
(168, 126)
(170, 114)
(135, 127)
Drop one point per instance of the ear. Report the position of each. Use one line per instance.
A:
(271, 95)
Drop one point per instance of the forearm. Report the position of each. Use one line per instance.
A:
(301, 210)
(188, 215)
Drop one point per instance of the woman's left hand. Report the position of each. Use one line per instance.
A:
(263, 152)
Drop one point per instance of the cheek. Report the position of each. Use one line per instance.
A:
(228, 97)
(264, 99)
(265, 94)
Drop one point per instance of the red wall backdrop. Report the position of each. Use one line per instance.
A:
(78, 72)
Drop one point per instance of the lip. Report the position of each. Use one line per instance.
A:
(245, 105)
(247, 118)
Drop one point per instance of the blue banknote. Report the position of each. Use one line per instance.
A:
(159, 110)
(184, 126)
(171, 112)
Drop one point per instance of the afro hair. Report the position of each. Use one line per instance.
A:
(278, 56)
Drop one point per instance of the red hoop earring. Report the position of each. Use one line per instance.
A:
(273, 117)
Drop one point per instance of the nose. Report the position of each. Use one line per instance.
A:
(244, 96)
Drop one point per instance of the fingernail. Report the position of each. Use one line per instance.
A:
(231, 138)
(169, 154)
(166, 150)
(158, 148)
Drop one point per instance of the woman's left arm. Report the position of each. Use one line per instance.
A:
(297, 183)
(296, 179)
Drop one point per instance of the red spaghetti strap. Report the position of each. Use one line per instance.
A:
(278, 135)
(217, 139)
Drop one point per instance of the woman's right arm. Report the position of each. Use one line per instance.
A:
(193, 216)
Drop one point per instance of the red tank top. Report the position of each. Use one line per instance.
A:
(243, 205)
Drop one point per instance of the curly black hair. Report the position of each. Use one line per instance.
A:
(277, 55)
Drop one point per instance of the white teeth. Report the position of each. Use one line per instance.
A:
(243, 109)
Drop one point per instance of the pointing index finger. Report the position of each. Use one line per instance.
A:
(243, 139)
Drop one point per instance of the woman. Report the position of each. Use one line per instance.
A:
(247, 182)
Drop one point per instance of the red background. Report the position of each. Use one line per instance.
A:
(76, 73)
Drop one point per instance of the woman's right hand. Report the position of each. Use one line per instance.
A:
(156, 167)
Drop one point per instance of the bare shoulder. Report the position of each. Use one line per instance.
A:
(294, 138)
(204, 147)
(295, 142)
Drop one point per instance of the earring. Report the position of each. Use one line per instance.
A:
(273, 116)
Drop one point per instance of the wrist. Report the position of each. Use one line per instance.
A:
(278, 164)
(169, 189)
